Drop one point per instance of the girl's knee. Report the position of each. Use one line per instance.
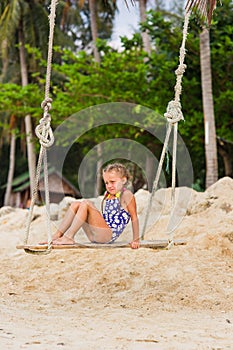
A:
(75, 206)
(86, 203)
(81, 204)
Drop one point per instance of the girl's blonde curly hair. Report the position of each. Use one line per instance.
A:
(119, 168)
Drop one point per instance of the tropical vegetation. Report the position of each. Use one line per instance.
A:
(134, 74)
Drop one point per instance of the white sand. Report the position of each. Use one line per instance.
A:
(85, 299)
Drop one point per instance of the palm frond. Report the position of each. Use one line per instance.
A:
(9, 20)
(81, 3)
(204, 8)
(132, 2)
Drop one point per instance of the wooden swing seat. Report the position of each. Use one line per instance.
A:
(144, 244)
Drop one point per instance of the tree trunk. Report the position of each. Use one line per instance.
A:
(94, 34)
(5, 60)
(11, 170)
(94, 30)
(227, 161)
(226, 155)
(208, 108)
(145, 35)
(28, 122)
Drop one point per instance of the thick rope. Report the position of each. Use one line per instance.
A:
(45, 135)
(173, 115)
(177, 114)
(157, 177)
(173, 188)
(52, 17)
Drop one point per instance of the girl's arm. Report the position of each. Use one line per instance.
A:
(130, 202)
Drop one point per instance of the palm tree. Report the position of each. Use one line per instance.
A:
(28, 121)
(4, 59)
(145, 35)
(208, 108)
(18, 19)
(94, 29)
(11, 162)
(94, 33)
(97, 8)
(205, 9)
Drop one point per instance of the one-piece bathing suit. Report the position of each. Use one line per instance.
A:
(116, 217)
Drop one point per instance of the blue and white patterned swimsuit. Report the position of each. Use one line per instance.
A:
(116, 217)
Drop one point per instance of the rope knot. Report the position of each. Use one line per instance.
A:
(174, 113)
(44, 132)
(46, 105)
(181, 69)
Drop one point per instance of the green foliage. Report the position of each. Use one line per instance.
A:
(78, 82)
(18, 100)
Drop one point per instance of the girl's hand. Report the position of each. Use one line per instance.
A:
(135, 244)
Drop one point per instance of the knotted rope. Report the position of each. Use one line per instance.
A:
(45, 135)
(43, 130)
(173, 115)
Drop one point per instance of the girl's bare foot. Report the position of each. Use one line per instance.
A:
(64, 240)
(56, 235)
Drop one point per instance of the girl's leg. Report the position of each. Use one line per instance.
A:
(97, 230)
(67, 220)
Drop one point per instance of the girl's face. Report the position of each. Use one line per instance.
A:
(114, 182)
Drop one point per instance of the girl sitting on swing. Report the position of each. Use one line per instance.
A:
(118, 207)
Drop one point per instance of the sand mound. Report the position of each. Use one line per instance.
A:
(120, 298)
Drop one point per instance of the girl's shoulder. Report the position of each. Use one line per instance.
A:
(126, 191)
(128, 201)
(127, 194)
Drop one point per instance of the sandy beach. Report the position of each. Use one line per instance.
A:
(162, 299)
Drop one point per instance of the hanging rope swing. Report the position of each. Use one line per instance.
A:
(173, 115)
(45, 135)
(205, 9)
